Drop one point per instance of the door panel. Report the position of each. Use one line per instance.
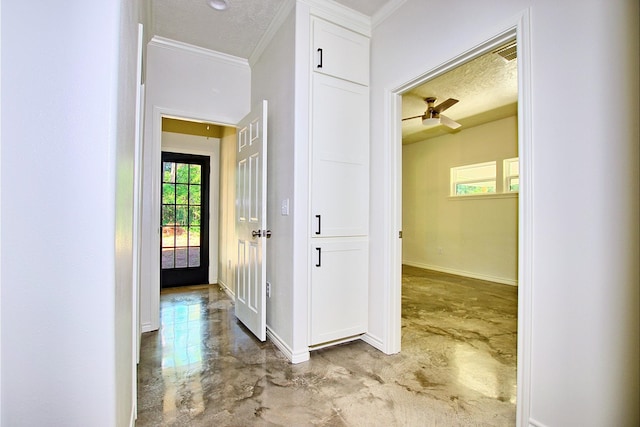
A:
(340, 52)
(340, 172)
(339, 285)
(184, 219)
(251, 218)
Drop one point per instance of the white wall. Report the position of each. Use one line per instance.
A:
(68, 111)
(469, 236)
(125, 109)
(582, 301)
(202, 146)
(189, 82)
(0, 216)
(273, 80)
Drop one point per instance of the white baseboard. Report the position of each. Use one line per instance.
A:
(132, 418)
(488, 278)
(374, 342)
(534, 423)
(294, 358)
(146, 327)
(227, 290)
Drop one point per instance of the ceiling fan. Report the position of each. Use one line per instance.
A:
(432, 114)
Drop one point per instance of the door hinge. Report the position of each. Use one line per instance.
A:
(400, 234)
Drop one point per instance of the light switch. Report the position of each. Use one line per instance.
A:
(284, 207)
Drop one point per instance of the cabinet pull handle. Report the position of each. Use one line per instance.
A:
(319, 263)
(320, 52)
(318, 231)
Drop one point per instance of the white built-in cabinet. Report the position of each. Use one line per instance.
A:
(339, 289)
(339, 193)
(340, 52)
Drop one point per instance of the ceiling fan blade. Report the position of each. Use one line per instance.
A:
(449, 122)
(414, 117)
(444, 105)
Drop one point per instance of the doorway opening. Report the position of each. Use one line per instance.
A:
(460, 224)
(518, 32)
(188, 205)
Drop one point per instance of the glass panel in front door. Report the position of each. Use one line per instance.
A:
(181, 215)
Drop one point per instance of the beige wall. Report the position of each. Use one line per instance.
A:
(471, 236)
(226, 259)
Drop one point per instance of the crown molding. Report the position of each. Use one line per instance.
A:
(386, 11)
(341, 15)
(185, 47)
(274, 26)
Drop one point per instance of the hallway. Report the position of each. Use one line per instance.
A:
(457, 365)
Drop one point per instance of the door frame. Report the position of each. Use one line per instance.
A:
(520, 30)
(150, 290)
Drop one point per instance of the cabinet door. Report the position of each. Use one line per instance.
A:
(340, 52)
(339, 289)
(340, 164)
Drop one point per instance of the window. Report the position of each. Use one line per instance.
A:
(511, 169)
(476, 179)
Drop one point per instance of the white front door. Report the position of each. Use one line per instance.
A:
(251, 218)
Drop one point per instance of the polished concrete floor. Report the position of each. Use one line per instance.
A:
(457, 366)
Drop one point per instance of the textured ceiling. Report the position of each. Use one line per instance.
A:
(367, 7)
(487, 88)
(235, 31)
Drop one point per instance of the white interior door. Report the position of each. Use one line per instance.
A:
(251, 218)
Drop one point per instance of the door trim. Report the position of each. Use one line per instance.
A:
(520, 30)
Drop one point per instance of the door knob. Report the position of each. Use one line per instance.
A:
(256, 233)
(267, 234)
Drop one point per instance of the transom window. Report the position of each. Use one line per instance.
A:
(475, 179)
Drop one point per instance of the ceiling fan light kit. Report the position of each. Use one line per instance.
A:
(432, 116)
(430, 121)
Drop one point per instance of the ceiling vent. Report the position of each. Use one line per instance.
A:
(509, 51)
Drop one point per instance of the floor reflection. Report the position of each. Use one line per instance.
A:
(479, 371)
(181, 331)
(182, 327)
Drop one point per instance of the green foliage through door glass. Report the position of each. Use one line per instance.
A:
(182, 194)
(168, 194)
(195, 174)
(182, 173)
(194, 195)
(168, 214)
